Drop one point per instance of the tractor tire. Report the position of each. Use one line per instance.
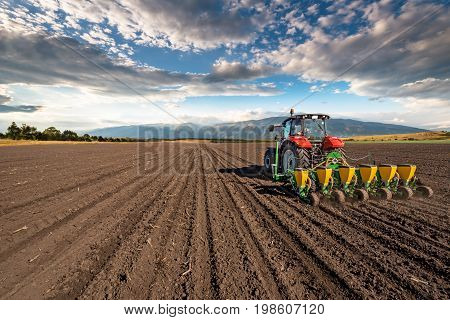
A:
(338, 196)
(404, 193)
(385, 194)
(303, 159)
(269, 160)
(314, 199)
(293, 157)
(361, 194)
(424, 191)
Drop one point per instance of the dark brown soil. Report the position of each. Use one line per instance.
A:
(197, 221)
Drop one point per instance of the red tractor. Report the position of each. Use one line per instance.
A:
(303, 142)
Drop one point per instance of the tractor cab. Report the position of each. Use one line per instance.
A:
(310, 126)
(302, 142)
(308, 131)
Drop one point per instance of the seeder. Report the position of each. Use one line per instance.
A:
(315, 165)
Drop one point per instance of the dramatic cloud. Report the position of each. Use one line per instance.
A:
(98, 57)
(25, 109)
(426, 88)
(4, 99)
(39, 60)
(415, 65)
(4, 95)
(36, 59)
(235, 70)
(201, 24)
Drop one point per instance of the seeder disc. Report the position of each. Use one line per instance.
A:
(404, 192)
(424, 191)
(362, 194)
(338, 196)
(385, 194)
(314, 199)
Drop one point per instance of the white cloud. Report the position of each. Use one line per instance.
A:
(426, 88)
(314, 88)
(184, 25)
(313, 9)
(297, 21)
(317, 88)
(416, 117)
(19, 108)
(235, 70)
(39, 60)
(414, 67)
(5, 96)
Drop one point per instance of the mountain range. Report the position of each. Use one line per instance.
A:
(252, 129)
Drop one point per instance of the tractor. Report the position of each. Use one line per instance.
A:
(303, 142)
(316, 165)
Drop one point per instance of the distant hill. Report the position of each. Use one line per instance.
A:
(253, 129)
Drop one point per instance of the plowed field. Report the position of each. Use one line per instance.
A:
(196, 221)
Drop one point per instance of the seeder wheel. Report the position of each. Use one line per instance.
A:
(362, 194)
(424, 191)
(338, 196)
(314, 199)
(385, 194)
(405, 192)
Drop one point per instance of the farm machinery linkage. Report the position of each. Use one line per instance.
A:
(316, 166)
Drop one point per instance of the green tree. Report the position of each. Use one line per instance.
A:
(51, 133)
(68, 135)
(13, 132)
(86, 137)
(29, 132)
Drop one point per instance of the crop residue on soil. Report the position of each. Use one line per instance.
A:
(196, 221)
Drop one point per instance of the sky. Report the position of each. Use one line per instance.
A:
(91, 64)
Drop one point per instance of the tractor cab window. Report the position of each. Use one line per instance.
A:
(314, 129)
(297, 128)
(287, 129)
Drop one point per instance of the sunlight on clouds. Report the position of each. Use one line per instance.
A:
(249, 45)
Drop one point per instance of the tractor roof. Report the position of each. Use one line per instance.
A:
(319, 116)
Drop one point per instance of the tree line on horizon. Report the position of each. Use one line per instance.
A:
(27, 132)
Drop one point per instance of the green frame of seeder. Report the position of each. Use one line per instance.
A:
(326, 180)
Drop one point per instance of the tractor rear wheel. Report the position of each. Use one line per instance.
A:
(362, 194)
(338, 196)
(424, 191)
(269, 159)
(303, 159)
(404, 192)
(293, 157)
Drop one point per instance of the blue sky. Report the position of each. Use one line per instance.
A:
(88, 64)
